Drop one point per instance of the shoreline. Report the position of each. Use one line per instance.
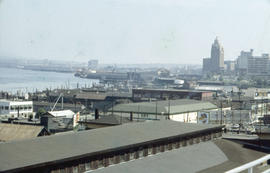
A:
(18, 80)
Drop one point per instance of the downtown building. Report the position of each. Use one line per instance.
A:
(214, 64)
(259, 65)
(252, 65)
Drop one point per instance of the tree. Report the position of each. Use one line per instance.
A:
(259, 82)
(30, 117)
(40, 112)
(220, 78)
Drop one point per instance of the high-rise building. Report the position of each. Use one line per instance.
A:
(252, 65)
(217, 56)
(259, 65)
(242, 61)
(215, 64)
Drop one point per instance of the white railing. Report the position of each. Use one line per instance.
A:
(249, 166)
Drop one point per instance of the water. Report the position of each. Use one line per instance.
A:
(22, 81)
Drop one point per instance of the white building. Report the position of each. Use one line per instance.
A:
(62, 114)
(182, 110)
(242, 60)
(15, 109)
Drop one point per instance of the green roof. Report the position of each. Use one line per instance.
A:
(165, 107)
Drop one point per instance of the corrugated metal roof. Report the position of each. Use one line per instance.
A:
(11, 132)
(165, 107)
(55, 148)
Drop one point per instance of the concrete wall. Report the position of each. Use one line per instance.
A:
(190, 117)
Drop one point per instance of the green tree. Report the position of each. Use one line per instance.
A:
(30, 117)
(220, 78)
(40, 112)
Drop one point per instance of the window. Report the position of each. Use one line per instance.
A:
(144, 115)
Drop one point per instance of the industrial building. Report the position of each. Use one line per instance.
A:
(184, 110)
(58, 121)
(164, 94)
(99, 148)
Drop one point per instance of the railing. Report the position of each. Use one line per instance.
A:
(249, 166)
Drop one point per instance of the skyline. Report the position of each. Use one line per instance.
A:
(128, 32)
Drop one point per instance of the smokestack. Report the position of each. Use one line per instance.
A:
(96, 114)
(131, 116)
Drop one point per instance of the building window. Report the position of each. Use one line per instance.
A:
(144, 115)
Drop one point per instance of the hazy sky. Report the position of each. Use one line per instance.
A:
(132, 31)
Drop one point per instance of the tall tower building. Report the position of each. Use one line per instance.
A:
(216, 62)
(217, 56)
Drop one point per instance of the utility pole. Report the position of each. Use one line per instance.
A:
(266, 106)
(231, 113)
(62, 103)
(240, 104)
(169, 104)
(221, 113)
(156, 110)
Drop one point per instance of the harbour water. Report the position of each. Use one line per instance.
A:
(22, 81)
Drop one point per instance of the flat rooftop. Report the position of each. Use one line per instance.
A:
(16, 101)
(165, 107)
(170, 90)
(56, 149)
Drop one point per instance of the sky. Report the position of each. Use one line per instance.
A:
(132, 31)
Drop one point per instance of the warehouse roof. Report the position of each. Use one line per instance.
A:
(169, 90)
(206, 157)
(237, 155)
(108, 120)
(11, 132)
(165, 107)
(203, 155)
(91, 96)
(55, 149)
